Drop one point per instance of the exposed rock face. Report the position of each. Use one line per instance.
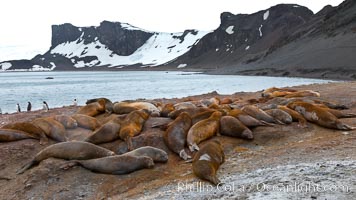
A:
(284, 40)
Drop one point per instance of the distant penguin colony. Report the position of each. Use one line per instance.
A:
(189, 129)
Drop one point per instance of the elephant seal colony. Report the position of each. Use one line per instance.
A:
(193, 124)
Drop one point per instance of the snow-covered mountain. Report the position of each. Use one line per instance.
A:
(112, 45)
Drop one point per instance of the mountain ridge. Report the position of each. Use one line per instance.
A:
(283, 40)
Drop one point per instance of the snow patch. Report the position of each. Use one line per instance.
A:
(53, 65)
(154, 52)
(217, 49)
(129, 27)
(265, 15)
(296, 6)
(247, 48)
(4, 66)
(181, 66)
(230, 30)
(246, 39)
(39, 68)
(80, 29)
(260, 29)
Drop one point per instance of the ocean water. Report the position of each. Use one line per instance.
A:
(21, 87)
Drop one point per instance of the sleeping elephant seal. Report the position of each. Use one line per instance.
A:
(67, 121)
(280, 115)
(208, 160)
(119, 164)
(109, 106)
(29, 128)
(319, 116)
(203, 130)
(68, 151)
(230, 126)
(157, 155)
(106, 133)
(127, 107)
(52, 128)
(9, 135)
(176, 135)
(132, 126)
(246, 119)
(86, 121)
(259, 114)
(93, 109)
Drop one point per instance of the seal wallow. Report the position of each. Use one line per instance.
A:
(280, 115)
(157, 155)
(9, 135)
(93, 109)
(319, 116)
(86, 121)
(29, 128)
(208, 160)
(106, 133)
(132, 126)
(259, 114)
(127, 107)
(109, 106)
(68, 151)
(176, 134)
(52, 128)
(203, 130)
(67, 121)
(246, 119)
(119, 164)
(230, 126)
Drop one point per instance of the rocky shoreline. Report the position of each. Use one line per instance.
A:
(279, 156)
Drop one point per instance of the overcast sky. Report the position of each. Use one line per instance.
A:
(27, 23)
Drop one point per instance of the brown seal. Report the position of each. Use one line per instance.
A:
(184, 105)
(127, 107)
(29, 128)
(277, 92)
(86, 121)
(337, 113)
(157, 155)
(296, 116)
(207, 161)
(259, 114)
(246, 119)
(280, 115)
(93, 109)
(67, 121)
(167, 108)
(319, 116)
(176, 135)
(226, 100)
(68, 151)
(230, 126)
(190, 111)
(52, 128)
(203, 130)
(9, 135)
(201, 116)
(303, 93)
(109, 106)
(132, 126)
(209, 102)
(119, 164)
(106, 133)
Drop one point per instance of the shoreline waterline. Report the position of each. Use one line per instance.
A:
(21, 87)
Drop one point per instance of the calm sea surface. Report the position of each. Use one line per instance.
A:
(21, 87)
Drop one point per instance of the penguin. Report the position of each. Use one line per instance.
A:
(45, 106)
(29, 107)
(18, 108)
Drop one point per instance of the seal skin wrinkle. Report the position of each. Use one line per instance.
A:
(207, 161)
(68, 151)
(176, 134)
